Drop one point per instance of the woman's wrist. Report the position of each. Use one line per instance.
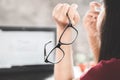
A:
(66, 36)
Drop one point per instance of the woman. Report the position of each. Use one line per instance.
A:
(103, 31)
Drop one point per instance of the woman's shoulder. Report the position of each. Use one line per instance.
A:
(103, 64)
(112, 62)
(104, 69)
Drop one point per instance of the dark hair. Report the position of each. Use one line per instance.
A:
(110, 31)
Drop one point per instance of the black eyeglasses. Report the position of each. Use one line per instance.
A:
(51, 57)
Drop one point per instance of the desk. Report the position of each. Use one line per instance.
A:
(34, 72)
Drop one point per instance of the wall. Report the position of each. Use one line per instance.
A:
(39, 13)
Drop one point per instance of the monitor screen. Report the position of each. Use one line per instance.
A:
(24, 46)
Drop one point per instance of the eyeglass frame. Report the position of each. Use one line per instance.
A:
(60, 43)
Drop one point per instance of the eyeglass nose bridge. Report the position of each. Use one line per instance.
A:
(58, 45)
(70, 24)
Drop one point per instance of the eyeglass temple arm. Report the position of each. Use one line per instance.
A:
(68, 19)
(45, 48)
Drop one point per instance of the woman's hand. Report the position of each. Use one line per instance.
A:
(90, 19)
(90, 24)
(60, 17)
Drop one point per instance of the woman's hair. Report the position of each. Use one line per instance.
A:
(110, 31)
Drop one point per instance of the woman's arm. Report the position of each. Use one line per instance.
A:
(64, 69)
(90, 24)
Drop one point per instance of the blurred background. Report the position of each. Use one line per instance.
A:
(38, 13)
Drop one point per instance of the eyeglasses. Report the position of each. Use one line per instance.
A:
(51, 57)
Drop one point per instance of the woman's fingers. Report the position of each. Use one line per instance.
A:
(60, 11)
(65, 8)
(90, 18)
(93, 14)
(56, 9)
(76, 18)
(94, 5)
(59, 14)
(62, 16)
(73, 14)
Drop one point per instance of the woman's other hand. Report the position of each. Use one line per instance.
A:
(90, 24)
(90, 19)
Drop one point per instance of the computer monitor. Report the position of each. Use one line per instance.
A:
(24, 45)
